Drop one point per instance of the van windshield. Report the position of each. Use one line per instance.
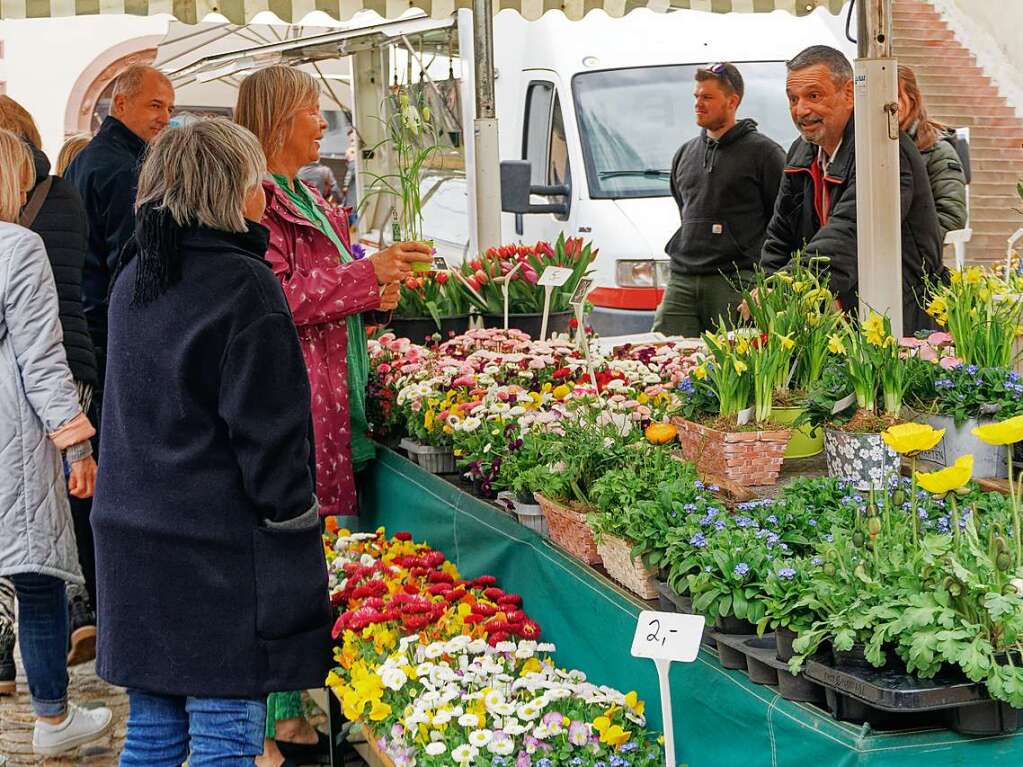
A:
(632, 121)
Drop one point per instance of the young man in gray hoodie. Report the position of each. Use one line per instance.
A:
(725, 182)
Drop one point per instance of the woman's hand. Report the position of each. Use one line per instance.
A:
(82, 481)
(389, 296)
(393, 264)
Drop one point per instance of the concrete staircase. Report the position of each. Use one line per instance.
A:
(959, 94)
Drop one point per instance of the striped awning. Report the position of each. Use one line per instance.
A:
(293, 11)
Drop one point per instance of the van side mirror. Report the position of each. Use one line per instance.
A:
(516, 188)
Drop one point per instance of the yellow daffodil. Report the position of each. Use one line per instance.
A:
(740, 366)
(1002, 433)
(633, 702)
(786, 342)
(912, 438)
(700, 372)
(798, 286)
(937, 307)
(874, 330)
(946, 480)
(835, 345)
(957, 277)
(379, 712)
(742, 347)
(973, 275)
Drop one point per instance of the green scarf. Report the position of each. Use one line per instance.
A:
(363, 449)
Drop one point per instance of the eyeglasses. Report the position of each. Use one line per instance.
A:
(720, 71)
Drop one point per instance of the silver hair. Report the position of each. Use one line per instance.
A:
(836, 62)
(201, 173)
(129, 82)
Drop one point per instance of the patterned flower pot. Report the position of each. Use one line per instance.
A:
(988, 460)
(627, 570)
(568, 529)
(747, 458)
(862, 459)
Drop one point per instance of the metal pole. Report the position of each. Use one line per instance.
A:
(488, 153)
(878, 199)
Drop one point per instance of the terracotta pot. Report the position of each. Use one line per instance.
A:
(747, 458)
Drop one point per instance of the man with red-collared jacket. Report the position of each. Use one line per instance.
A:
(816, 207)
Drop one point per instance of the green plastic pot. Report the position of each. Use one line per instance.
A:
(802, 444)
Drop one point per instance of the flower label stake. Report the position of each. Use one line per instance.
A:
(578, 304)
(504, 283)
(663, 638)
(552, 277)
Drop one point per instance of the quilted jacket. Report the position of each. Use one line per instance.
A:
(322, 292)
(39, 415)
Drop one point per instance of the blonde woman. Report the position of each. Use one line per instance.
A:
(54, 211)
(69, 151)
(40, 416)
(328, 290)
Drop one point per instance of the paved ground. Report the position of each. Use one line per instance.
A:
(16, 722)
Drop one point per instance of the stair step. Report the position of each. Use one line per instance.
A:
(970, 97)
(925, 54)
(983, 166)
(936, 80)
(991, 154)
(988, 194)
(934, 36)
(994, 142)
(980, 123)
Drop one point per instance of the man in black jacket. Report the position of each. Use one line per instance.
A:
(816, 209)
(725, 182)
(106, 176)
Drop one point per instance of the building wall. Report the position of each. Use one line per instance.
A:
(45, 58)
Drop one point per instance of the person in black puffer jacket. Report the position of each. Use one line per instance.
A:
(55, 212)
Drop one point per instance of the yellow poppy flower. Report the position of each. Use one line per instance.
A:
(835, 345)
(912, 438)
(1002, 433)
(946, 480)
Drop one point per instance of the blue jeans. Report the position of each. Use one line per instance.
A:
(219, 732)
(43, 637)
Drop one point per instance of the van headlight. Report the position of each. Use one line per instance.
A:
(641, 273)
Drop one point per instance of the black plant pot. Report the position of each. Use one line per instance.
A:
(421, 329)
(856, 658)
(530, 324)
(525, 497)
(783, 641)
(732, 625)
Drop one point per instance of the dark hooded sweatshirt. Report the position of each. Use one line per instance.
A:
(725, 190)
(62, 226)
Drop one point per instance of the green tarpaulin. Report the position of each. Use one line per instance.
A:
(721, 718)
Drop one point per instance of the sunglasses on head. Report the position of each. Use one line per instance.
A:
(721, 72)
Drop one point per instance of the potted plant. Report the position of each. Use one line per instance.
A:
(430, 306)
(869, 369)
(526, 264)
(796, 304)
(629, 537)
(726, 428)
(961, 399)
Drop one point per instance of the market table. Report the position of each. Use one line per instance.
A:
(721, 718)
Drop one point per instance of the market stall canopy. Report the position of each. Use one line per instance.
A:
(293, 11)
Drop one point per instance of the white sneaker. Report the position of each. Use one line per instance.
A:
(81, 726)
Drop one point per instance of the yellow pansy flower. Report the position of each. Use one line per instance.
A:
(428, 419)
(561, 391)
(912, 438)
(633, 702)
(946, 480)
(601, 724)
(1002, 433)
(615, 736)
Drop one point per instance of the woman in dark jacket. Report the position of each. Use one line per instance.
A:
(212, 582)
(54, 211)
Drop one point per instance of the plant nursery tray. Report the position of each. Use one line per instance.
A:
(763, 667)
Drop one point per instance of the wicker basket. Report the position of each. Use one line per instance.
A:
(626, 569)
(569, 530)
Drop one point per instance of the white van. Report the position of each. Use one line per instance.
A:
(599, 107)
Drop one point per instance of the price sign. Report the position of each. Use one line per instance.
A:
(663, 638)
(581, 291)
(668, 636)
(439, 264)
(554, 276)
